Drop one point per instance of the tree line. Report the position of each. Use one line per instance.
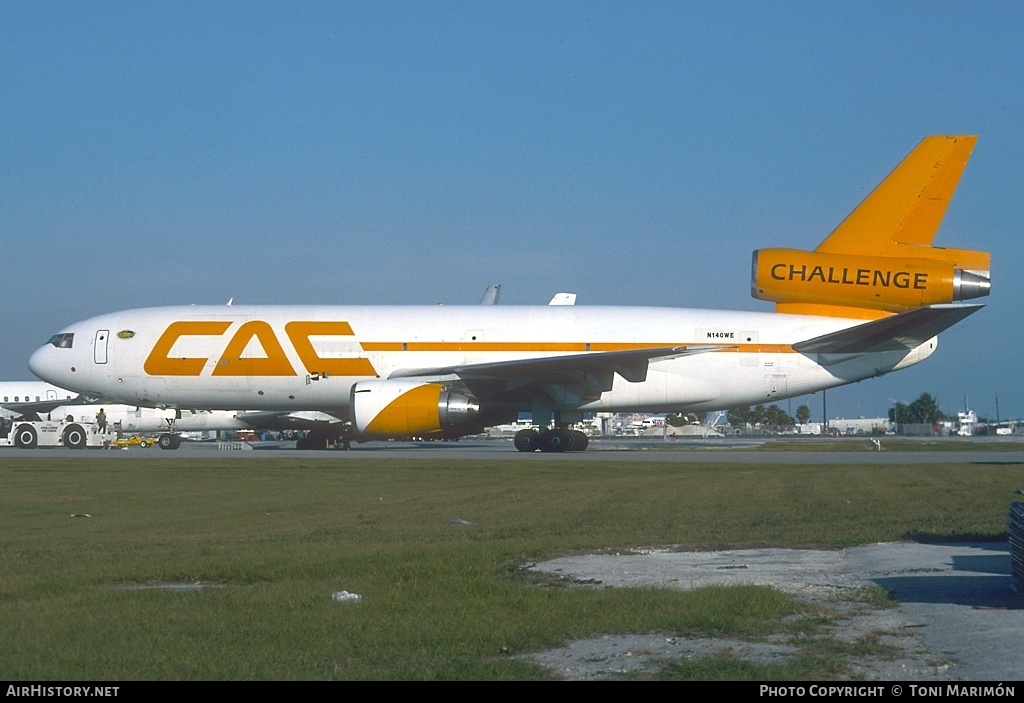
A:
(769, 417)
(923, 411)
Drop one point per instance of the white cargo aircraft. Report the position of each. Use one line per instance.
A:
(870, 299)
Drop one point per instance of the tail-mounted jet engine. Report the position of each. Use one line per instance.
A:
(885, 283)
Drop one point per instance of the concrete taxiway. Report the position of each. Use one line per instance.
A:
(697, 452)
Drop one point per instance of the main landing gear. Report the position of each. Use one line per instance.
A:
(550, 440)
(318, 439)
(168, 441)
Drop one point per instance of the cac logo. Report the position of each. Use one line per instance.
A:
(232, 361)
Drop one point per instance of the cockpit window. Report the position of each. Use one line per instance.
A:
(63, 340)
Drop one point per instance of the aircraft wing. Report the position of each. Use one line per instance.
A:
(33, 408)
(287, 420)
(594, 370)
(901, 332)
(36, 408)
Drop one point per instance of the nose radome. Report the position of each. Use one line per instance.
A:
(39, 363)
(53, 365)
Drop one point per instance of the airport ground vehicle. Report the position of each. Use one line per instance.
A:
(134, 440)
(30, 434)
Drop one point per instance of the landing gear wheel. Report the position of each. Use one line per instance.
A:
(579, 441)
(74, 437)
(527, 440)
(557, 441)
(169, 441)
(25, 437)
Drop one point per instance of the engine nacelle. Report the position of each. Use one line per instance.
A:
(887, 283)
(399, 408)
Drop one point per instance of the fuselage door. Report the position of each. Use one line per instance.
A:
(774, 384)
(99, 348)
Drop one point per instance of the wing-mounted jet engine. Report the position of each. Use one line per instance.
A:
(401, 408)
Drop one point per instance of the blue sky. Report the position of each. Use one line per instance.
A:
(414, 152)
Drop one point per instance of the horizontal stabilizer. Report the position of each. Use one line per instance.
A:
(901, 332)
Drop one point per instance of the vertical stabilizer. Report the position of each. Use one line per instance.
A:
(908, 206)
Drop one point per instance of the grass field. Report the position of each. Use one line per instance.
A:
(271, 540)
(889, 444)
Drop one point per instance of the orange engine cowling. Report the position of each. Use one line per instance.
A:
(883, 283)
(399, 408)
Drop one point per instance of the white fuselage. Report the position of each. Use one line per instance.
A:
(309, 357)
(131, 418)
(32, 392)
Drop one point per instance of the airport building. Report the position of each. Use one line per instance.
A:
(859, 426)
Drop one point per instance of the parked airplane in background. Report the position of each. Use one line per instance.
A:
(17, 393)
(491, 295)
(870, 299)
(20, 398)
(493, 292)
(36, 400)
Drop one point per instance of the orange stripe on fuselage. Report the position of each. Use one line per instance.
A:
(578, 347)
(276, 363)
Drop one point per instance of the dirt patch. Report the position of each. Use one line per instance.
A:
(955, 618)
